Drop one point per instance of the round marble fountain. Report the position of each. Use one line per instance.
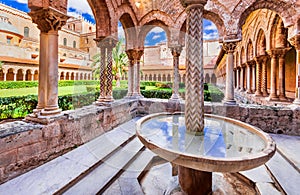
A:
(227, 145)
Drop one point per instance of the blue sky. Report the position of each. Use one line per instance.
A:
(81, 7)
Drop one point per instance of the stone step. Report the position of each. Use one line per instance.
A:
(60, 172)
(128, 182)
(284, 173)
(101, 177)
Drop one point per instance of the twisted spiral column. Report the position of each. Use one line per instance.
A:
(258, 77)
(264, 77)
(194, 106)
(110, 44)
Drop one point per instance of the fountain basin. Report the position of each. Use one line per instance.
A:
(227, 145)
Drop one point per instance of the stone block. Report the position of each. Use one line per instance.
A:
(7, 158)
(20, 139)
(30, 151)
(51, 130)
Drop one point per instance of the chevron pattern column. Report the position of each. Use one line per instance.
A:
(102, 47)
(175, 50)
(229, 47)
(194, 100)
(258, 76)
(110, 44)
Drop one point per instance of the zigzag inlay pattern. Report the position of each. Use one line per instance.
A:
(194, 111)
(109, 74)
(102, 73)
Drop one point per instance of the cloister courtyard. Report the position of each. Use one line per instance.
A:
(94, 144)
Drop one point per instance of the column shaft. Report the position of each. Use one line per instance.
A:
(253, 85)
(282, 95)
(258, 78)
(242, 79)
(237, 79)
(194, 104)
(274, 62)
(264, 78)
(102, 73)
(248, 78)
(108, 95)
(175, 91)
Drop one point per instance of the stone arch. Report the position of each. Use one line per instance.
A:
(148, 27)
(208, 15)
(103, 16)
(1, 75)
(154, 77)
(10, 74)
(67, 75)
(242, 56)
(207, 78)
(62, 76)
(260, 43)
(36, 75)
(129, 30)
(156, 15)
(249, 49)
(285, 9)
(278, 35)
(213, 79)
(164, 78)
(72, 76)
(150, 77)
(146, 77)
(159, 77)
(169, 78)
(20, 75)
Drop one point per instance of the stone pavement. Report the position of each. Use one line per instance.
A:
(117, 163)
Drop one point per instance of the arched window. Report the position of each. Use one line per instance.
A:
(26, 31)
(74, 44)
(65, 41)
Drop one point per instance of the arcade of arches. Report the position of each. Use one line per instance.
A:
(260, 38)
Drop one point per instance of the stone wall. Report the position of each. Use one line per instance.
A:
(25, 145)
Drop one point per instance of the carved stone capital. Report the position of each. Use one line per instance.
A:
(176, 50)
(278, 52)
(295, 41)
(250, 63)
(229, 47)
(48, 19)
(186, 3)
(106, 42)
(261, 59)
(134, 54)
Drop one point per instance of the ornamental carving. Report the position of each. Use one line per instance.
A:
(134, 54)
(229, 47)
(176, 50)
(48, 19)
(295, 41)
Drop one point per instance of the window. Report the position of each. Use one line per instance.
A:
(74, 44)
(8, 39)
(26, 31)
(65, 41)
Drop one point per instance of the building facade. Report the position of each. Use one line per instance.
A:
(20, 40)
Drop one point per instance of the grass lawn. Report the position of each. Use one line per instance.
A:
(34, 90)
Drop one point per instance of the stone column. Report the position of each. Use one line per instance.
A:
(264, 77)
(110, 44)
(32, 75)
(242, 88)
(295, 41)
(102, 75)
(4, 74)
(237, 78)
(15, 75)
(253, 84)
(24, 75)
(136, 84)
(274, 63)
(229, 47)
(130, 55)
(281, 63)
(49, 21)
(194, 100)
(248, 65)
(175, 50)
(258, 77)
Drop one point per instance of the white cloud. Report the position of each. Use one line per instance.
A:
(22, 1)
(208, 36)
(81, 6)
(211, 27)
(157, 30)
(156, 37)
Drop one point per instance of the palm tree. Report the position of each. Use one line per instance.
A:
(120, 60)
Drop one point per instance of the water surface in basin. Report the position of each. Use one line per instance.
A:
(221, 139)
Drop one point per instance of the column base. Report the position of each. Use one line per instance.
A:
(50, 112)
(272, 98)
(175, 98)
(229, 102)
(136, 96)
(102, 103)
(38, 118)
(296, 101)
(108, 99)
(283, 98)
(258, 94)
(249, 91)
(194, 182)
